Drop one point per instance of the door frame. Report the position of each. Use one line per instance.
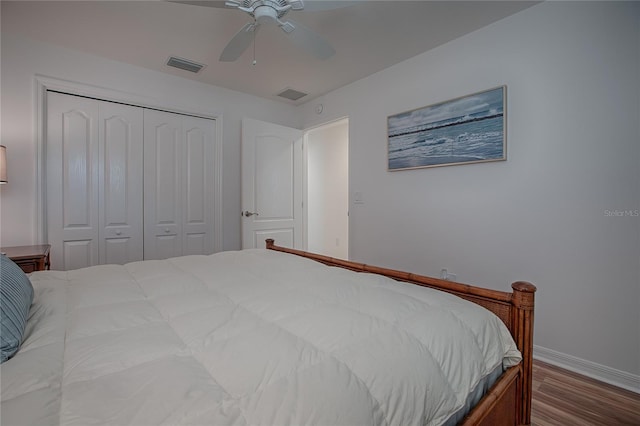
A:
(43, 84)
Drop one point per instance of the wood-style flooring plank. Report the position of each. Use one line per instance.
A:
(564, 398)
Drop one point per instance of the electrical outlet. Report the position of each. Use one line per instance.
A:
(445, 275)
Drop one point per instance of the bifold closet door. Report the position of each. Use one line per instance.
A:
(198, 214)
(72, 181)
(120, 183)
(94, 181)
(178, 185)
(162, 185)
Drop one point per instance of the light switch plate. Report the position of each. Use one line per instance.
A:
(357, 198)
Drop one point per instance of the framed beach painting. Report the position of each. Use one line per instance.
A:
(469, 129)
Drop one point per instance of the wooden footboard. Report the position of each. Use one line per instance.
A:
(508, 402)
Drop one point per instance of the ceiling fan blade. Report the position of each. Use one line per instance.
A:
(208, 3)
(310, 41)
(322, 5)
(307, 5)
(239, 43)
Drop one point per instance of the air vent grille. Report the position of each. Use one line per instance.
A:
(184, 64)
(292, 94)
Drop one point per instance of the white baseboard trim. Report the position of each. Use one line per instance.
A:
(596, 371)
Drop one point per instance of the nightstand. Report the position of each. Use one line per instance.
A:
(29, 258)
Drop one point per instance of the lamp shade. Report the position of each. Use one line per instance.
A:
(3, 164)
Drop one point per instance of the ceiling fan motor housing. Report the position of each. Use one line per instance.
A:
(269, 11)
(263, 14)
(266, 9)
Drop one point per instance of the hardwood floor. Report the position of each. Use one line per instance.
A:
(563, 398)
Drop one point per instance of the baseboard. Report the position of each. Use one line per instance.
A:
(596, 371)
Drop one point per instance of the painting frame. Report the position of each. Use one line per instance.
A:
(469, 129)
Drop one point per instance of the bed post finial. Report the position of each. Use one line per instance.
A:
(270, 243)
(524, 302)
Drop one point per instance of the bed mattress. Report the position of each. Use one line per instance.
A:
(248, 337)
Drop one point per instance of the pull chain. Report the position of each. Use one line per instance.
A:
(254, 48)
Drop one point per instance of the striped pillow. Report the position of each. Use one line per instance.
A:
(16, 295)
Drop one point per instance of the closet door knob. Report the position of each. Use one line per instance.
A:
(167, 230)
(248, 213)
(118, 232)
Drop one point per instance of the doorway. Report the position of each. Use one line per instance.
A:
(327, 189)
(295, 186)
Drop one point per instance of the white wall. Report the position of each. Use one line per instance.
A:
(572, 72)
(327, 152)
(22, 59)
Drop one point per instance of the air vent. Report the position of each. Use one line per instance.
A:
(291, 94)
(184, 64)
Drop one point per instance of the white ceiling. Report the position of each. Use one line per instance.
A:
(368, 36)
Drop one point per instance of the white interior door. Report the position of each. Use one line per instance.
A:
(199, 180)
(120, 183)
(163, 201)
(72, 181)
(271, 184)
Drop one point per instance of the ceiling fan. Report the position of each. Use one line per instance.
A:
(270, 12)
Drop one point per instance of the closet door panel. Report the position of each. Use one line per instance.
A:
(195, 170)
(196, 243)
(163, 203)
(78, 149)
(199, 137)
(72, 181)
(167, 175)
(78, 254)
(121, 144)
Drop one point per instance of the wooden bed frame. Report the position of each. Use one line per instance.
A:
(508, 402)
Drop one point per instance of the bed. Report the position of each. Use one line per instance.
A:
(269, 337)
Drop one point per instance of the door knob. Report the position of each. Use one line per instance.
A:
(118, 232)
(247, 213)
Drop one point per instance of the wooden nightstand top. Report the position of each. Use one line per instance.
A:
(26, 252)
(29, 258)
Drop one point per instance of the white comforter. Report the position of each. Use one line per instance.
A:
(252, 337)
